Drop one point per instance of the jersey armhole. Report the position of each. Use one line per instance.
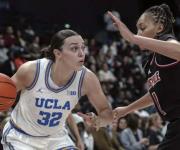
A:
(35, 77)
(81, 82)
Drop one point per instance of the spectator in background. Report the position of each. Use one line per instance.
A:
(154, 134)
(5, 63)
(19, 39)
(132, 136)
(9, 37)
(3, 51)
(103, 140)
(34, 48)
(121, 125)
(105, 75)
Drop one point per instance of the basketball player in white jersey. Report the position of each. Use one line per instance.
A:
(50, 89)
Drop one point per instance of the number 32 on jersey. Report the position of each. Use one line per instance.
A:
(49, 119)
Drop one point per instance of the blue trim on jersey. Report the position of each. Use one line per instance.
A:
(36, 76)
(47, 74)
(81, 81)
(4, 137)
(21, 131)
(68, 148)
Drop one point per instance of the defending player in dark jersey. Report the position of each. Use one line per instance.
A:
(155, 33)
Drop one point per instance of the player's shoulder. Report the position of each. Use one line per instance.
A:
(90, 79)
(90, 75)
(25, 74)
(28, 67)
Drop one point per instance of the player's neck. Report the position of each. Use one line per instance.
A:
(61, 74)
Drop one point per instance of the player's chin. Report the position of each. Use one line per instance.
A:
(79, 67)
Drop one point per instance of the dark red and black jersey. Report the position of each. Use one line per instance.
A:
(163, 75)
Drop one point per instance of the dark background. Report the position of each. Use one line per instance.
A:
(84, 16)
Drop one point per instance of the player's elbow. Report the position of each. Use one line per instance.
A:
(107, 114)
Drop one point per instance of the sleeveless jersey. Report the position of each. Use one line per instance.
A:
(163, 81)
(43, 107)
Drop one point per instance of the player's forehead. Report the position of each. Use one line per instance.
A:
(144, 19)
(74, 40)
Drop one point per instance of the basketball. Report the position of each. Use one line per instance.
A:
(7, 92)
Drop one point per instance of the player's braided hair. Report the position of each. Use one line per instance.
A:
(162, 14)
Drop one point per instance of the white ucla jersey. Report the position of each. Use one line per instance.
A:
(43, 107)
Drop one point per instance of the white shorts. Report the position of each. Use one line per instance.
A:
(12, 139)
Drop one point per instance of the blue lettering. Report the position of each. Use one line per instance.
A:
(73, 92)
(51, 103)
(56, 104)
(66, 105)
(48, 103)
(39, 102)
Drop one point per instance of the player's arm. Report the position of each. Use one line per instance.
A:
(169, 48)
(24, 75)
(92, 88)
(141, 103)
(74, 129)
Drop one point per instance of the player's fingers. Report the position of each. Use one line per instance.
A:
(115, 24)
(114, 18)
(111, 15)
(115, 112)
(91, 114)
(115, 117)
(84, 116)
(115, 122)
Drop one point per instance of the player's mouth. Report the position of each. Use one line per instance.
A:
(81, 61)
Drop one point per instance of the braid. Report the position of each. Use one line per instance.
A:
(168, 13)
(162, 14)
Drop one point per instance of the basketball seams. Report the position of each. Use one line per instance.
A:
(7, 97)
(10, 83)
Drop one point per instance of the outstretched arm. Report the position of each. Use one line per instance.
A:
(169, 48)
(141, 103)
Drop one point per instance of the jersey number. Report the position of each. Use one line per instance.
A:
(49, 119)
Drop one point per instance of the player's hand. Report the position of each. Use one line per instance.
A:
(80, 144)
(124, 31)
(91, 119)
(118, 113)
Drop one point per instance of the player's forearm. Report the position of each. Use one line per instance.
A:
(167, 48)
(73, 127)
(76, 132)
(141, 103)
(105, 117)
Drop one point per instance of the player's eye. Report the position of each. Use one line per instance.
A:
(74, 49)
(83, 47)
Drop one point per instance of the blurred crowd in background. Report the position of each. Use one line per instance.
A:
(117, 64)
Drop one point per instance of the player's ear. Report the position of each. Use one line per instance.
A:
(57, 52)
(160, 28)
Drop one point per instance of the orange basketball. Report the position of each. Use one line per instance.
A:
(7, 92)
